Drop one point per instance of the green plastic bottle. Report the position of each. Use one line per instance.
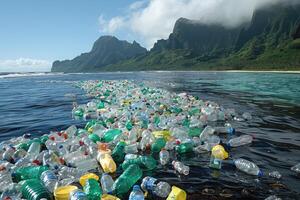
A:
(144, 162)
(185, 148)
(92, 189)
(111, 135)
(94, 137)
(158, 145)
(44, 138)
(195, 132)
(100, 105)
(29, 172)
(90, 124)
(129, 125)
(78, 113)
(24, 146)
(129, 177)
(186, 122)
(33, 189)
(118, 153)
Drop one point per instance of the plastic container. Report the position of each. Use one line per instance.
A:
(29, 172)
(127, 179)
(106, 161)
(247, 167)
(107, 183)
(33, 189)
(219, 152)
(92, 189)
(87, 176)
(177, 194)
(78, 195)
(144, 162)
(63, 192)
(136, 193)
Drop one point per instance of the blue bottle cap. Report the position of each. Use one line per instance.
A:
(136, 187)
(260, 173)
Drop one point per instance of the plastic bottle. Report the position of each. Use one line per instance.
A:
(111, 135)
(131, 148)
(224, 130)
(87, 165)
(164, 157)
(12, 192)
(215, 163)
(127, 179)
(219, 152)
(87, 176)
(207, 131)
(296, 168)
(136, 194)
(147, 139)
(92, 189)
(239, 141)
(78, 195)
(118, 153)
(8, 154)
(30, 172)
(177, 194)
(181, 168)
(275, 174)
(6, 180)
(144, 162)
(107, 163)
(33, 189)
(50, 180)
(158, 188)
(158, 145)
(186, 147)
(247, 167)
(107, 183)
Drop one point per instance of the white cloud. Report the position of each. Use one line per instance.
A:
(137, 5)
(24, 64)
(112, 25)
(154, 19)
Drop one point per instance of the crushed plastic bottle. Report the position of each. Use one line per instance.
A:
(239, 141)
(247, 167)
(181, 168)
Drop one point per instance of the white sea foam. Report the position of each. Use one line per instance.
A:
(15, 75)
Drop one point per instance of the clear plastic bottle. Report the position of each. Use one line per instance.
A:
(107, 183)
(50, 180)
(78, 194)
(162, 189)
(159, 188)
(181, 168)
(164, 157)
(131, 148)
(137, 193)
(34, 150)
(208, 131)
(239, 141)
(247, 167)
(6, 180)
(275, 174)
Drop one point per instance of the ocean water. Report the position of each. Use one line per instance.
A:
(38, 103)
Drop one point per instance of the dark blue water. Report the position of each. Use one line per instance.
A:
(38, 104)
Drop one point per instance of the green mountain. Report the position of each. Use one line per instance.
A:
(106, 50)
(270, 41)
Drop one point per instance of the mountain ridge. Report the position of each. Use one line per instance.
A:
(271, 40)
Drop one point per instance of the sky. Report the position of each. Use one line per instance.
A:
(34, 33)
